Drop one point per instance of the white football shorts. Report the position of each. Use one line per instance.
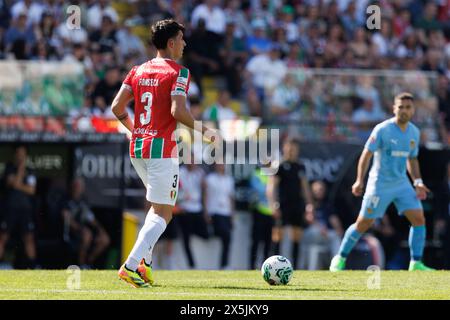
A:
(160, 177)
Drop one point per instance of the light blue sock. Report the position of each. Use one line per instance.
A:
(351, 237)
(416, 242)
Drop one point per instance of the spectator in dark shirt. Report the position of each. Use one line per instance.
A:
(202, 52)
(81, 229)
(105, 91)
(19, 218)
(233, 58)
(106, 36)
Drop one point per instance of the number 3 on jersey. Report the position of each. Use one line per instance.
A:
(146, 115)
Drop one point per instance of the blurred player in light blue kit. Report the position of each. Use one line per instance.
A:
(395, 146)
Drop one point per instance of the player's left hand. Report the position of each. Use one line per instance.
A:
(421, 191)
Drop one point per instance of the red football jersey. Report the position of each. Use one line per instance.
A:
(153, 83)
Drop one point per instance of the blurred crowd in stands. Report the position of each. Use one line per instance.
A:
(252, 46)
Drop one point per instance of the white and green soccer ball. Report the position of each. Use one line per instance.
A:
(277, 270)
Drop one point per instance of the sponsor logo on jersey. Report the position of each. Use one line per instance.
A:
(145, 131)
(400, 154)
(412, 144)
(369, 210)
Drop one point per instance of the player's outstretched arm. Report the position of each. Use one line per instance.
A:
(119, 107)
(413, 167)
(363, 165)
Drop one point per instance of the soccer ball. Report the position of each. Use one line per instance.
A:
(277, 270)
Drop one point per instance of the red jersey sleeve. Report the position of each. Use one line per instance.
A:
(180, 86)
(128, 82)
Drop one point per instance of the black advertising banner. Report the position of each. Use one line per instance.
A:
(101, 166)
(335, 164)
(46, 160)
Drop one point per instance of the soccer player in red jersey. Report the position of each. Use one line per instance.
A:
(159, 88)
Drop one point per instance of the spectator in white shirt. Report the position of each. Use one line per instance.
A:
(286, 99)
(71, 36)
(383, 39)
(129, 43)
(266, 71)
(219, 199)
(221, 110)
(213, 15)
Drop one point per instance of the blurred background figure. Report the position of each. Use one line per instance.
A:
(262, 217)
(289, 193)
(442, 222)
(85, 235)
(19, 218)
(324, 231)
(219, 198)
(192, 219)
(221, 110)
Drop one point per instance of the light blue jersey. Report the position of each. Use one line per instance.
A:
(388, 181)
(391, 147)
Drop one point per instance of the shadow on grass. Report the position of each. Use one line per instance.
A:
(289, 288)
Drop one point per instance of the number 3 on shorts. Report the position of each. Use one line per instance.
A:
(175, 178)
(146, 115)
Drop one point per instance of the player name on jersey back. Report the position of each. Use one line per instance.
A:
(148, 82)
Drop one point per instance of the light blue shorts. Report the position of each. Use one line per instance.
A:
(376, 201)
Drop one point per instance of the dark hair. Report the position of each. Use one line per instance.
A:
(404, 96)
(164, 30)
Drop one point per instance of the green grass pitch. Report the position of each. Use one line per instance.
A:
(226, 285)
